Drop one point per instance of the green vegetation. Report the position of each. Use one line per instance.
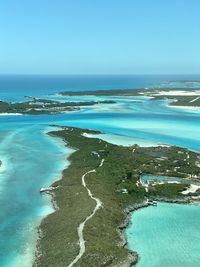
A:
(166, 191)
(45, 106)
(116, 92)
(123, 92)
(183, 100)
(189, 101)
(58, 244)
(167, 161)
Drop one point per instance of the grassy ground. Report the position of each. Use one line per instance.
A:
(58, 244)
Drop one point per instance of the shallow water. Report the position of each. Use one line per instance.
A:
(32, 159)
(122, 140)
(27, 166)
(166, 235)
(156, 178)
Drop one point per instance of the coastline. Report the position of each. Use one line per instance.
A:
(133, 228)
(131, 210)
(10, 114)
(179, 97)
(132, 257)
(192, 108)
(15, 179)
(51, 195)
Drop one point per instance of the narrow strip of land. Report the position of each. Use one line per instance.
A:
(81, 226)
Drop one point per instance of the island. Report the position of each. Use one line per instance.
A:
(37, 106)
(176, 96)
(97, 192)
(105, 182)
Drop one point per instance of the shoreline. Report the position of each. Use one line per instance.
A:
(11, 114)
(180, 95)
(193, 108)
(134, 208)
(133, 256)
(50, 193)
(179, 98)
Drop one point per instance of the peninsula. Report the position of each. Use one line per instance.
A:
(97, 192)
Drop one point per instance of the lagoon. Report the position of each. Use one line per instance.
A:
(166, 235)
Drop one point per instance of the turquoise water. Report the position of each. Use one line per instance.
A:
(166, 235)
(15, 87)
(150, 178)
(32, 160)
(157, 178)
(27, 166)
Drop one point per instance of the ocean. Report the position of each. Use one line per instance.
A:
(27, 165)
(15, 87)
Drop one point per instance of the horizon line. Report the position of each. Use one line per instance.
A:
(95, 74)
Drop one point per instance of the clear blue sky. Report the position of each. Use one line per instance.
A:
(100, 36)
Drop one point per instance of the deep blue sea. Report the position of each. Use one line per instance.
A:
(15, 87)
(27, 164)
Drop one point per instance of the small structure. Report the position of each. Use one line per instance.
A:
(46, 190)
(152, 203)
(122, 191)
(94, 153)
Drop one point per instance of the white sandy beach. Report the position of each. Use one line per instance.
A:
(191, 108)
(176, 93)
(123, 140)
(191, 189)
(10, 114)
